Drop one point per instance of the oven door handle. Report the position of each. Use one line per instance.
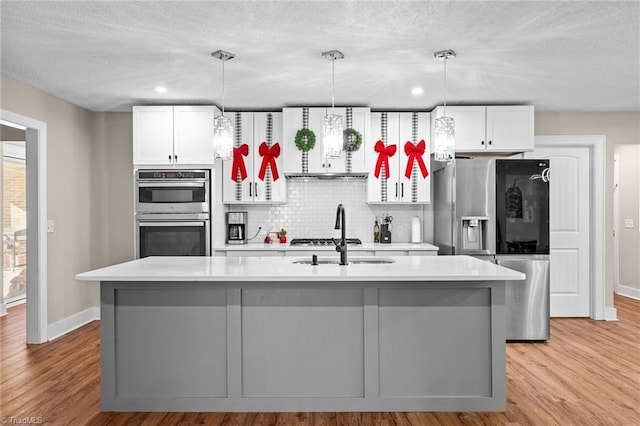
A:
(171, 184)
(172, 223)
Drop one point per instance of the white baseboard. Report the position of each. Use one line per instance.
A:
(72, 322)
(631, 292)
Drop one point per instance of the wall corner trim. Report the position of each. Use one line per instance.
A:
(610, 314)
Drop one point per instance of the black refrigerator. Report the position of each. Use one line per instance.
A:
(498, 210)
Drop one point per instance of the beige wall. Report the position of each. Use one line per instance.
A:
(619, 129)
(629, 208)
(112, 199)
(84, 150)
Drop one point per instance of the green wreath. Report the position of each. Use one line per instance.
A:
(354, 145)
(311, 139)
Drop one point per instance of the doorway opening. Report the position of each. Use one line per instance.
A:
(14, 206)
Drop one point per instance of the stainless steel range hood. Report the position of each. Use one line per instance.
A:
(326, 176)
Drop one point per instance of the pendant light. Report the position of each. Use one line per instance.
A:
(333, 128)
(445, 129)
(222, 126)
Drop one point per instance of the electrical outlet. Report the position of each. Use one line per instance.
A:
(50, 227)
(628, 223)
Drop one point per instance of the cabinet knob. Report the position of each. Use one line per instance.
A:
(489, 142)
(481, 142)
(175, 157)
(169, 158)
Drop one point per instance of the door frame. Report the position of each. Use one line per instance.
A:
(596, 145)
(36, 150)
(616, 222)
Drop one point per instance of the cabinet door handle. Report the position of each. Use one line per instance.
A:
(489, 142)
(175, 157)
(481, 142)
(250, 190)
(396, 189)
(169, 158)
(256, 189)
(402, 190)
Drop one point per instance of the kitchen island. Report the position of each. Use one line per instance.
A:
(424, 333)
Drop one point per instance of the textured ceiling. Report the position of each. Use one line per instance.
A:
(109, 55)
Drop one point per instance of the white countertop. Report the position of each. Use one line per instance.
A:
(364, 247)
(229, 269)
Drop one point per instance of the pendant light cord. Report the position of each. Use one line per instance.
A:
(223, 60)
(333, 83)
(444, 111)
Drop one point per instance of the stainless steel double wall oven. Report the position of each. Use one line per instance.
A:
(172, 213)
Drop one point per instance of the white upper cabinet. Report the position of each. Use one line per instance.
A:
(508, 128)
(293, 121)
(255, 175)
(173, 135)
(153, 135)
(193, 134)
(404, 154)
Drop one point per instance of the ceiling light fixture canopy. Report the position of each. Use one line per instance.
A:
(222, 126)
(333, 127)
(445, 130)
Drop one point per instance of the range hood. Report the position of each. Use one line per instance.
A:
(326, 176)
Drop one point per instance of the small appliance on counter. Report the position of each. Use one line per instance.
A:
(385, 229)
(237, 227)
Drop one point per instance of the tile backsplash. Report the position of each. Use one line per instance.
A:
(311, 212)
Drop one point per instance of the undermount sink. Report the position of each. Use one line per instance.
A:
(353, 260)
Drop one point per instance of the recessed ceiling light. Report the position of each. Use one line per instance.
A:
(416, 91)
(161, 89)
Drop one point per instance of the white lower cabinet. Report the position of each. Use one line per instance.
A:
(405, 160)
(255, 174)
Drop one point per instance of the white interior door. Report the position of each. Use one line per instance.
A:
(569, 224)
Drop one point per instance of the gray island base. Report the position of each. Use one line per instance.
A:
(258, 334)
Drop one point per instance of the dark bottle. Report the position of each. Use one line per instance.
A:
(376, 233)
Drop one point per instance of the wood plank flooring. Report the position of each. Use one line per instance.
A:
(587, 374)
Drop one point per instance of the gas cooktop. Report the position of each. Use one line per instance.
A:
(322, 241)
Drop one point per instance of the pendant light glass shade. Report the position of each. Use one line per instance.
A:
(445, 139)
(222, 138)
(333, 126)
(445, 129)
(222, 126)
(333, 138)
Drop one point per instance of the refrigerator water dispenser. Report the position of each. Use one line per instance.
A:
(474, 232)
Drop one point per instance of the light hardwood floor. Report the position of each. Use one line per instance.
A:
(587, 374)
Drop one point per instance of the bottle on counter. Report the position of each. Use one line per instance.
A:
(376, 232)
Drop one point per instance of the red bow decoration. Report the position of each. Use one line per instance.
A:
(384, 152)
(415, 152)
(238, 162)
(269, 155)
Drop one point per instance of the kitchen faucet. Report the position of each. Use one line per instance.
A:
(341, 247)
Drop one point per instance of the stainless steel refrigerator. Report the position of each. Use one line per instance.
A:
(498, 210)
